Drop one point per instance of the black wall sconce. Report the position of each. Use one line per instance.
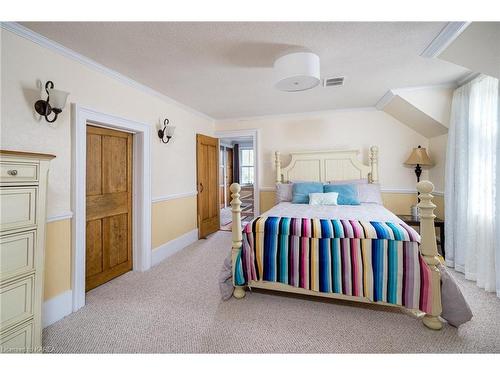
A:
(167, 131)
(55, 102)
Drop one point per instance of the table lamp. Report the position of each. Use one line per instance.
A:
(418, 158)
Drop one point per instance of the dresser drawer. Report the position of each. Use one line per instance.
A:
(18, 340)
(18, 172)
(16, 302)
(18, 207)
(16, 254)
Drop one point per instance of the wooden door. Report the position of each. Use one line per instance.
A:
(109, 205)
(207, 166)
(229, 173)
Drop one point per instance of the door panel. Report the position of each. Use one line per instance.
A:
(109, 205)
(207, 155)
(93, 263)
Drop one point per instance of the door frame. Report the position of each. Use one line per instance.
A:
(141, 192)
(254, 133)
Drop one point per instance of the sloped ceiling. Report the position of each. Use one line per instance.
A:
(413, 117)
(425, 110)
(476, 48)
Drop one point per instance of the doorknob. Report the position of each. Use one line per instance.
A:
(201, 187)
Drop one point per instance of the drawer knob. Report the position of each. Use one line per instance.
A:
(12, 172)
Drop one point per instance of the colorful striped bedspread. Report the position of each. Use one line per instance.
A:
(376, 260)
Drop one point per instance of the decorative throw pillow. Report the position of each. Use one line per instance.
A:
(301, 191)
(323, 199)
(348, 194)
(369, 193)
(284, 193)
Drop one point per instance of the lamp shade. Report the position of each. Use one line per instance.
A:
(419, 156)
(57, 98)
(169, 131)
(297, 71)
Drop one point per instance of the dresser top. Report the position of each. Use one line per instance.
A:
(34, 155)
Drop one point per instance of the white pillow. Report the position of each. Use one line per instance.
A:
(323, 199)
(284, 192)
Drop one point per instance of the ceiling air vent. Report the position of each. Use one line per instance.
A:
(334, 81)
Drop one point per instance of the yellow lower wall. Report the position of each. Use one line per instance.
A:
(399, 203)
(171, 219)
(57, 258)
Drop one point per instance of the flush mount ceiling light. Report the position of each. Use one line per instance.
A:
(297, 71)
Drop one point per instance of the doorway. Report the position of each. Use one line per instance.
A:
(108, 252)
(237, 164)
(207, 165)
(141, 197)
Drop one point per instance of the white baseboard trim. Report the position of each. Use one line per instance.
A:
(167, 249)
(57, 308)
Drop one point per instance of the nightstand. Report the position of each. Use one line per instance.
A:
(438, 223)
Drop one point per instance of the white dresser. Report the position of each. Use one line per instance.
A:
(23, 189)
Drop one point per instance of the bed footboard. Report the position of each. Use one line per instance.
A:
(235, 188)
(428, 249)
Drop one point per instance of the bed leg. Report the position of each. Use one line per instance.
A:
(428, 249)
(238, 292)
(235, 189)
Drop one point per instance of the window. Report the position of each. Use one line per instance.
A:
(246, 167)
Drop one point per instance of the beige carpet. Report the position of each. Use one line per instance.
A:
(176, 307)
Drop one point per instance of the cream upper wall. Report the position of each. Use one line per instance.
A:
(435, 102)
(24, 63)
(346, 129)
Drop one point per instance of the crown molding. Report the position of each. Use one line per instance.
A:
(445, 37)
(449, 85)
(45, 42)
(384, 100)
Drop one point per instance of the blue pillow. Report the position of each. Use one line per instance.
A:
(301, 191)
(348, 194)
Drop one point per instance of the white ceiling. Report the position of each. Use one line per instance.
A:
(225, 69)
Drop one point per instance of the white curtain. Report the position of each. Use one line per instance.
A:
(472, 192)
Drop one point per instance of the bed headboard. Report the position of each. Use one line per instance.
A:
(324, 166)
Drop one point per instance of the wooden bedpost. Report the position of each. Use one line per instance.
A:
(373, 162)
(428, 249)
(235, 188)
(277, 163)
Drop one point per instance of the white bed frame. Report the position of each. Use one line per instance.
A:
(324, 166)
